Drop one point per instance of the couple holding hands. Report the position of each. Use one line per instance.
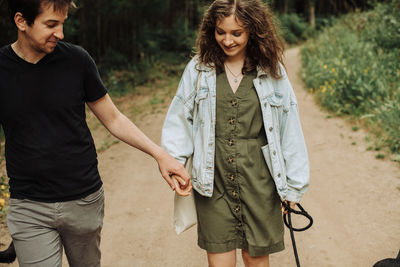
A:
(234, 115)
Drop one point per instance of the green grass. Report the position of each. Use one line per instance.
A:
(353, 68)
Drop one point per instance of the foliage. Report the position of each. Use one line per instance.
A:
(4, 196)
(120, 82)
(354, 68)
(294, 28)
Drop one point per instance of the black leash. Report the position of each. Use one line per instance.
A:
(287, 219)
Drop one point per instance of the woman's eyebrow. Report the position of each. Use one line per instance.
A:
(235, 30)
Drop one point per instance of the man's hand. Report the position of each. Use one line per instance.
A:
(169, 166)
(125, 130)
(179, 189)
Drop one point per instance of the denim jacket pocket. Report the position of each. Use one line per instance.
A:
(275, 99)
(201, 95)
(201, 100)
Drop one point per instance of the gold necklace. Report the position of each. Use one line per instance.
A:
(235, 79)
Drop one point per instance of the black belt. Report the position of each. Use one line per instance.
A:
(287, 219)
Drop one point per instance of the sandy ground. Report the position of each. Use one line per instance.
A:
(353, 198)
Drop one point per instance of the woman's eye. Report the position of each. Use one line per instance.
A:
(237, 34)
(220, 33)
(51, 25)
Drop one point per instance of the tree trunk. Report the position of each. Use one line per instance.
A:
(311, 13)
(285, 6)
(82, 27)
(98, 30)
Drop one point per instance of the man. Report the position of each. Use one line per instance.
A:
(56, 192)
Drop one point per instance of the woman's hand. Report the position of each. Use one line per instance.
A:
(292, 205)
(179, 189)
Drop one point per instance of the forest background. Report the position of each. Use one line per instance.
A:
(128, 37)
(350, 55)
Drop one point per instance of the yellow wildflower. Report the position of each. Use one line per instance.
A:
(325, 66)
(333, 81)
(333, 70)
(2, 202)
(323, 89)
(2, 187)
(7, 195)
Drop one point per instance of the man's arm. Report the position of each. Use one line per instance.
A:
(125, 130)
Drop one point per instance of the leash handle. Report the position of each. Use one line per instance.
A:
(287, 219)
(301, 212)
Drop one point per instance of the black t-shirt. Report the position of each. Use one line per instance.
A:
(50, 153)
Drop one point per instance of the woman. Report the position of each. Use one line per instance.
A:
(236, 114)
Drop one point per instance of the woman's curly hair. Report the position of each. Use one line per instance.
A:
(264, 48)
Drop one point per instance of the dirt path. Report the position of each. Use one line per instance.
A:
(353, 199)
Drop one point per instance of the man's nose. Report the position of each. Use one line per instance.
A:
(59, 33)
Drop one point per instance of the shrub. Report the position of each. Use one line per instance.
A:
(353, 68)
(293, 28)
(4, 196)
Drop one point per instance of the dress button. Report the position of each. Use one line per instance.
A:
(274, 152)
(279, 175)
(237, 209)
(232, 121)
(231, 177)
(270, 129)
(229, 159)
(234, 194)
(231, 142)
(234, 102)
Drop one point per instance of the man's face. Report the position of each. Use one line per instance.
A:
(47, 29)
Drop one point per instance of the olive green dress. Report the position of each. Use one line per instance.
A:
(244, 211)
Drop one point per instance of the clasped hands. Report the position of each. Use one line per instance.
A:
(181, 188)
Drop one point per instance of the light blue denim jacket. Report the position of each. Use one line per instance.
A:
(184, 136)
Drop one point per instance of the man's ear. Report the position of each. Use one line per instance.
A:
(20, 21)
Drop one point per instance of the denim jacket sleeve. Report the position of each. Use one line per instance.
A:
(293, 146)
(176, 137)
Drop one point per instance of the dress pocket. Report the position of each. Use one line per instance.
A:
(267, 157)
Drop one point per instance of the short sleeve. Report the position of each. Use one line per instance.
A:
(93, 85)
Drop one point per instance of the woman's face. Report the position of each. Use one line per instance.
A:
(232, 37)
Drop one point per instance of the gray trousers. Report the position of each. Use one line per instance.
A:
(41, 230)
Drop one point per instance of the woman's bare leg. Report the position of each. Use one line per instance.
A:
(226, 259)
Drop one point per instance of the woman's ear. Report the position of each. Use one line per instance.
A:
(20, 21)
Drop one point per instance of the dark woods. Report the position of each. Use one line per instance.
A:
(136, 33)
